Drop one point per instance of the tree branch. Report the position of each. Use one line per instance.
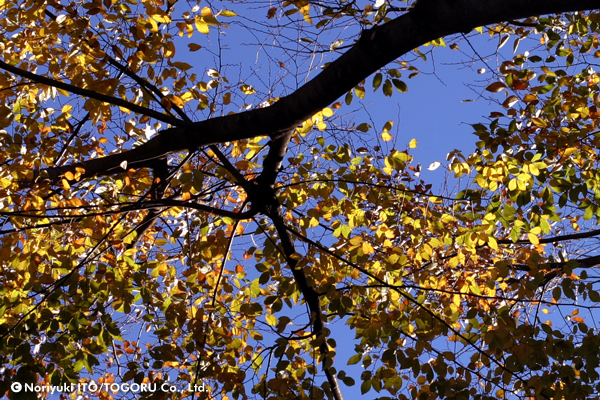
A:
(376, 48)
(553, 239)
(273, 210)
(92, 95)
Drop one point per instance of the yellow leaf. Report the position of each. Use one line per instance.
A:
(327, 112)
(154, 27)
(412, 144)
(201, 25)
(211, 20)
(247, 89)
(187, 96)
(206, 12)
(306, 127)
(386, 136)
(227, 13)
(539, 122)
(171, 363)
(161, 19)
(5, 183)
(169, 49)
(271, 319)
(367, 248)
(162, 269)
(177, 101)
(360, 92)
(356, 240)
(534, 170)
(533, 238)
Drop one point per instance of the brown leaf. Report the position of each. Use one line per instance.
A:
(495, 87)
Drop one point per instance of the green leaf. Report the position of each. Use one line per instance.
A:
(401, 86)
(365, 386)
(377, 79)
(387, 88)
(355, 359)
(364, 127)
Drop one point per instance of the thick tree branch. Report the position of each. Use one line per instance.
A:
(377, 47)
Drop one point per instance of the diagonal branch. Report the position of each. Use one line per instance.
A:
(375, 48)
(273, 210)
(92, 95)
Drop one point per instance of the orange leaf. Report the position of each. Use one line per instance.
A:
(206, 12)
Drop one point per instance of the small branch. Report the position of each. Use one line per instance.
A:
(410, 299)
(60, 282)
(93, 95)
(391, 187)
(75, 132)
(553, 239)
(214, 297)
(227, 251)
(581, 263)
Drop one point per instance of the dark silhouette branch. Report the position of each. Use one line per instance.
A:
(273, 210)
(376, 48)
(92, 95)
(562, 238)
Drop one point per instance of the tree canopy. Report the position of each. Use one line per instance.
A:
(175, 211)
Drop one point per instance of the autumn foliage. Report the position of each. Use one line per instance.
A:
(190, 194)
